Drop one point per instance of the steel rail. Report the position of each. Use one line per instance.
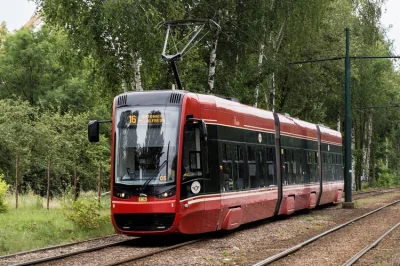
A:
(54, 247)
(305, 243)
(368, 248)
(153, 252)
(70, 254)
(377, 192)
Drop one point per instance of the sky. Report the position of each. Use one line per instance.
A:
(390, 17)
(17, 12)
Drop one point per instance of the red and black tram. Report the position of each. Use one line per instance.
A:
(192, 163)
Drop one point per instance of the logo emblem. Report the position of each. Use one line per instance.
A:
(195, 187)
(235, 121)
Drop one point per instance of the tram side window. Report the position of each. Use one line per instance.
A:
(333, 167)
(291, 167)
(191, 153)
(251, 161)
(312, 166)
(298, 167)
(285, 166)
(261, 173)
(340, 167)
(239, 178)
(325, 176)
(270, 166)
(227, 169)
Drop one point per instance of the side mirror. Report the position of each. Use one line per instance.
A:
(93, 131)
(204, 130)
(202, 126)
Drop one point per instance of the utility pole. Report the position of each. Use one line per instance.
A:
(348, 203)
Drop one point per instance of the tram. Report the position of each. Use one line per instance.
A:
(187, 163)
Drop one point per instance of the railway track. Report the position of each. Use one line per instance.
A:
(364, 251)
(362, 194)
(137, 249)
(292, 250)
(151, 253)
(42, 255)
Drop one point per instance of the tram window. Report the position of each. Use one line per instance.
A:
(191, 161)
(285, 166)
(270, 166)
(251, 160)
(261, 173)
(324, 167)
(312, 165)
(226, 152)
(240, 181)
(298, 167)
(227, 169)
(270, 154)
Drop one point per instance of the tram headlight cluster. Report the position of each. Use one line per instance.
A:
(166, 194)
(121, 195)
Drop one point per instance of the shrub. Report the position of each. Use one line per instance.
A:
(84, 213)
(3, 191)
(386, 178)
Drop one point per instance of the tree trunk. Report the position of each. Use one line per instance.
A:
(124, 86)
(275, 43)
(75, 183)
(138, 77)
(353, 144)
(213, 62)
(16, 181)
(387, 152)
(99, 184)
(272, 92)
(367, 149)
(260, 60)
(48, 184)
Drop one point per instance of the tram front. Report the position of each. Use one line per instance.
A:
(144, 162)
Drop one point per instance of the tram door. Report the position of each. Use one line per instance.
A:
(192, 179)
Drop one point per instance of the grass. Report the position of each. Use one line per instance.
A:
(377, 198)
(32, 226)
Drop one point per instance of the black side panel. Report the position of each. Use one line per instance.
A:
(319, 166)
(212, 182)
(278, 162)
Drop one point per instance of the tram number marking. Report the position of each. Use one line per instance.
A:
(142, 199)
(132, 119)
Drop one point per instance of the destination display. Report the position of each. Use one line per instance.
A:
(153, 119)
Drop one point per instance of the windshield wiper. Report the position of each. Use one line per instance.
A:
(158, 171)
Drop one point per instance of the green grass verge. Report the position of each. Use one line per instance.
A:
(31, 226)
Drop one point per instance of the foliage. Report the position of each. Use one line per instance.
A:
(29, 228)
(63, 141)
(54, 79)
(386, 178)
(3, 191)
(84, 213)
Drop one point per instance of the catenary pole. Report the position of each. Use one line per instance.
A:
(347, 120)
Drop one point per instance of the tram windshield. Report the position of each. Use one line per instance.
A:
(145, 148)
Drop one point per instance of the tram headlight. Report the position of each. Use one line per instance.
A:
(166, 194)
(121, 195)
